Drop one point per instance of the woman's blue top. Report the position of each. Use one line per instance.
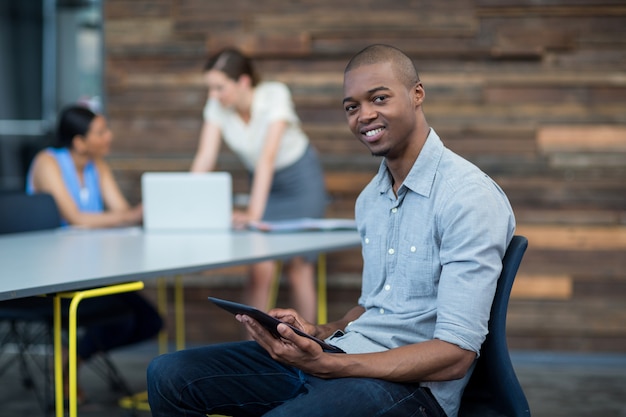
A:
(87, 196)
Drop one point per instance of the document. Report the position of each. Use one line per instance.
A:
(303, 224)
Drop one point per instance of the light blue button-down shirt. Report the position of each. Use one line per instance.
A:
(432, 257)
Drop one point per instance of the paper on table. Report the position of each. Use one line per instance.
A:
(302, 224)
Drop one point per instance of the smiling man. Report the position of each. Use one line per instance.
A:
(434, 229)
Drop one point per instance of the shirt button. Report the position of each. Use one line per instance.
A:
(394, 210)
(381, 311)
(387, 287)
(413, 248)
(391, 251)
(367, 240)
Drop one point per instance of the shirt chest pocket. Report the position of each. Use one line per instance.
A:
(415, 265)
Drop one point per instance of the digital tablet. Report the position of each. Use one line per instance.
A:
(269, 322)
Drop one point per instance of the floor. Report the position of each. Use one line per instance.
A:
(556, 385)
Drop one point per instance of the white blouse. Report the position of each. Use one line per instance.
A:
(271, 102)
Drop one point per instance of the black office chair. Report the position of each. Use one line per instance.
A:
(27, 213)
(494, 390)
(28, 321)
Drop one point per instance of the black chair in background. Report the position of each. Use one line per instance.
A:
(27, 213)
(27, 322)
(493, 389)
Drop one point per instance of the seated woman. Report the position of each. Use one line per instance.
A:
(87, 195)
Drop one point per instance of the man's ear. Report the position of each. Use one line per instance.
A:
(418, 94)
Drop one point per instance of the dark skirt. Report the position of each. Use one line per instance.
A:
(298, 190)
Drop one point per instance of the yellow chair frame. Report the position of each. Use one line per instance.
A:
(76, 297)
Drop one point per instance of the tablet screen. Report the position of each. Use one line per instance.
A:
(270, 323)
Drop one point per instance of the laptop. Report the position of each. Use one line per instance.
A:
(184, 201)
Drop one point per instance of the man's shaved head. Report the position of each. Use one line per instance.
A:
(402, 65)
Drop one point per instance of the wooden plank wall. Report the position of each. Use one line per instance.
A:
(533, 92)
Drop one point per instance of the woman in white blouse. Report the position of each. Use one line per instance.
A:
(257, 120)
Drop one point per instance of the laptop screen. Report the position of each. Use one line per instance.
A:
(187, 201)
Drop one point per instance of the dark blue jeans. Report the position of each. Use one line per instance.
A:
(241, 379)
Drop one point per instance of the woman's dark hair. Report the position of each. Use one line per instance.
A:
(233, 63)
(73, 120)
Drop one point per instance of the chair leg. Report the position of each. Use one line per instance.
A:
(76, 298)
(31, 362)
(22, 346)
(106, 369)
(30, 336)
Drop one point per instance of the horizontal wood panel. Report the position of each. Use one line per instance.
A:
(584, 139)
(576, 238)
(542, 287)
(586, 317)
(584, 265)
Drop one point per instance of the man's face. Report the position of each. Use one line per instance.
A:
(381, 110)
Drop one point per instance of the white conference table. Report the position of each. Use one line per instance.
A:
(89, 261)
(71, 259)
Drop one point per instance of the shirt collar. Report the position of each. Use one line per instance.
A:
(422, 175)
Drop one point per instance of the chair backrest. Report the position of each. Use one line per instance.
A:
(493, 389)
(26, 213)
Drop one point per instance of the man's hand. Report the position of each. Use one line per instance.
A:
(290, 348)
(292, 317)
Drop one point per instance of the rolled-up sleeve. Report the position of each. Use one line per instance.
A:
(471, 250)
